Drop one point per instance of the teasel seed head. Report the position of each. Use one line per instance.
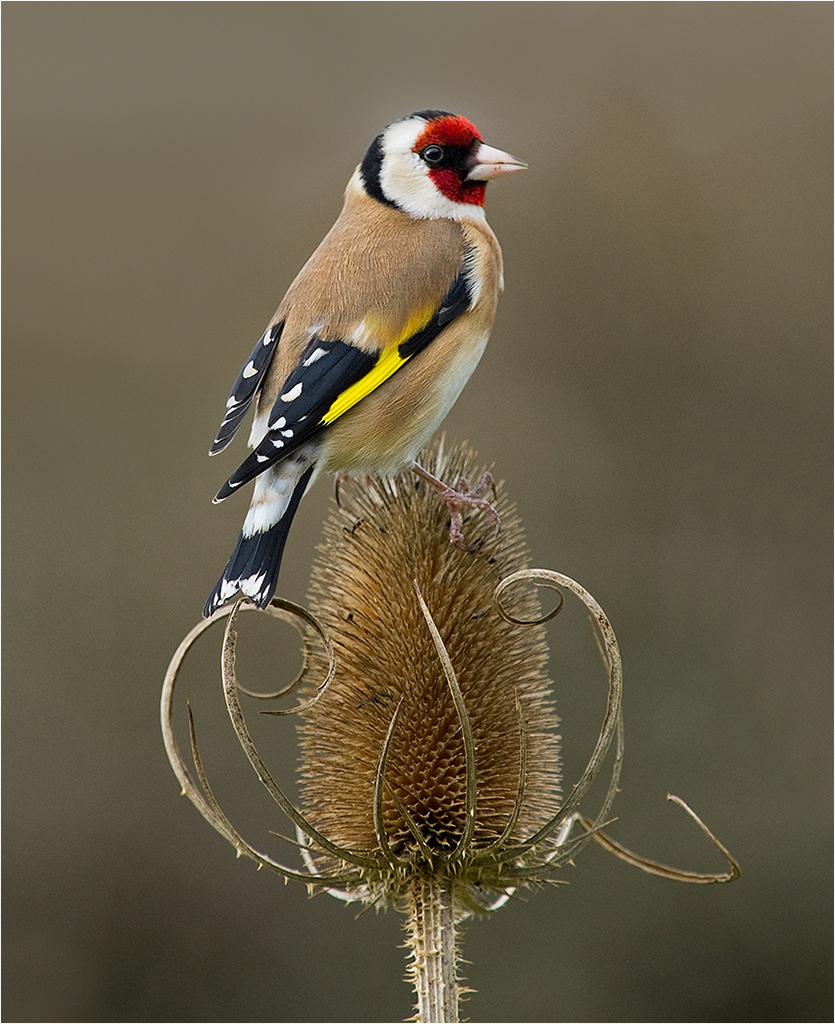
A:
(386, 572)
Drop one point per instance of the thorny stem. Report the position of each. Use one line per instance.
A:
(432, 938)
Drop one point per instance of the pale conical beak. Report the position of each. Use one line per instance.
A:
(492, 163)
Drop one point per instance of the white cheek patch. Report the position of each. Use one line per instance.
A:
(404, 179)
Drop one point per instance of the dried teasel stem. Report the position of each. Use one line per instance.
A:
(434, 945)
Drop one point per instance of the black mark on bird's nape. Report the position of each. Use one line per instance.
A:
(370, 169)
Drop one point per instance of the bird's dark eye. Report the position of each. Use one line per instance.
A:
(433, 155)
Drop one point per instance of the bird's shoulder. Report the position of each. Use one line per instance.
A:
(375, 272)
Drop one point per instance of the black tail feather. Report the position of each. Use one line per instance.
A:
(255, 563)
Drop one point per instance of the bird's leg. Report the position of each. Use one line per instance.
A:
(459, 498)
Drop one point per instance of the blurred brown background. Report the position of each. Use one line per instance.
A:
(656, 396)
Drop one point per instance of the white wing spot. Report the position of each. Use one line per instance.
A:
(279, 423)
(315, 355)
(292, 394)
(287, 433)
(278, 443)
(249, 370)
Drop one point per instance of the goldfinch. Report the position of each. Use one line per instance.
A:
(375, 339)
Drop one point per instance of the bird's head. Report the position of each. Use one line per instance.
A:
(433, 164)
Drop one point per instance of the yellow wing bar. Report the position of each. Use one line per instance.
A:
(388, 362)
